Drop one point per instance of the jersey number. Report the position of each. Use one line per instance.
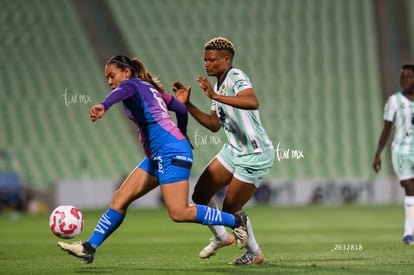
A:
(160, 101)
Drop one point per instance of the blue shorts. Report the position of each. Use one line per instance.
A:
(171, 163)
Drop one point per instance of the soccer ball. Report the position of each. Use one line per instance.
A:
(66, 221)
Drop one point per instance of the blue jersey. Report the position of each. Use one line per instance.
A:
(145, 106)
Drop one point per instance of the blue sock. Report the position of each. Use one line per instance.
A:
(211, 216)
(107, 224)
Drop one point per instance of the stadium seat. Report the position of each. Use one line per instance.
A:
(313, 64)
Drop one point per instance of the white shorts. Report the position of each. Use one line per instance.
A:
(403, 165)
(249, 168)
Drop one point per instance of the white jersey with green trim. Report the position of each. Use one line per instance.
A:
(243, 128)
(400, 110)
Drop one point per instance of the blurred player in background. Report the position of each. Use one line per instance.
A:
(248, 154)
(399, 112)
(167, 162)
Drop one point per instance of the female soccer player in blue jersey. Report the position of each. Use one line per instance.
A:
(168, 156)
(248, 154)
(399, 112)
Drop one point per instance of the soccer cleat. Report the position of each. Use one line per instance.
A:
(408, 239)
(240, 230)
(215, 245)
(84, 251)
(249, 258)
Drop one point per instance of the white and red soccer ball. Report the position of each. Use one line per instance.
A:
(66, 221)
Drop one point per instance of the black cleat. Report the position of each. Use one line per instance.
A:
(84, 251)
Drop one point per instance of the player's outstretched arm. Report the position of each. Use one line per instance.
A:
(245, 99)
(181, 93)
(209, 121)
(96, 112)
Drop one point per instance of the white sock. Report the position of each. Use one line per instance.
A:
(252, 245)
(219, 231)
(409, 215)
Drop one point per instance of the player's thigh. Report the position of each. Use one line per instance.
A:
(408, 186)
(404, 168)
(214, 178)
(237, 195)
(137, 184)
(175, 196)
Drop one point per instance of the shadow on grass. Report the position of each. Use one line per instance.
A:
(266, 268)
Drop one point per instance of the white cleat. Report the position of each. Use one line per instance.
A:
(249, 258)
(240, 231)
(214, 246)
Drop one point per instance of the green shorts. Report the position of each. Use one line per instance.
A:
(249, 168)
(403, 165)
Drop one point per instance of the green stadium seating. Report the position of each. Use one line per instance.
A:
(313, 64)
(45, 52)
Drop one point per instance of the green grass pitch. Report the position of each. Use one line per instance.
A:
(296, 240)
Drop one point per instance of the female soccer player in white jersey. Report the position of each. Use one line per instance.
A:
(167, 162)
(248, 154)
(399, 112)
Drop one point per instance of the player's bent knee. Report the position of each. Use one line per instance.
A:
(177, 218)
(181, 215)
(200, 199)
(195, 199)
(119, 203)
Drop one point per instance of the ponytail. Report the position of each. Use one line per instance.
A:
(137, 68)
(141, 72)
